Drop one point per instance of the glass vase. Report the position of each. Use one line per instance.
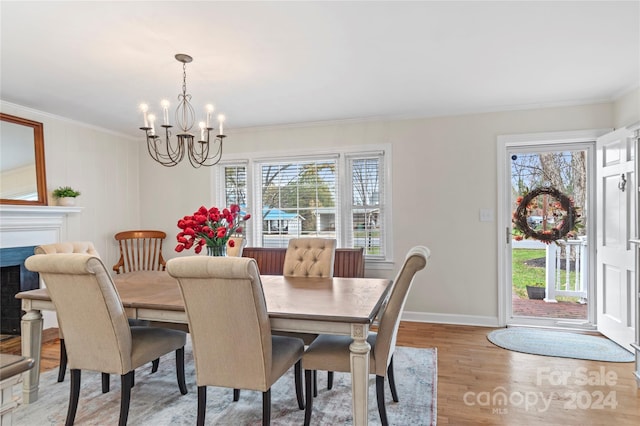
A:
(217, 250)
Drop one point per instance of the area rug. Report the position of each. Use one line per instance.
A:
(156, 400)
(560, 344)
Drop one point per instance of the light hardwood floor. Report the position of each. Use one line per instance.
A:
(472, 371)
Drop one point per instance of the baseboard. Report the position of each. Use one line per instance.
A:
(476, 320)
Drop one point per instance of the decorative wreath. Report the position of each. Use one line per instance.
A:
(568, 223)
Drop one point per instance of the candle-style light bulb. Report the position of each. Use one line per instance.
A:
(203, 126)
(220, 121)
(209, 109)
(144, 108)
(165, 111)
(152, 119)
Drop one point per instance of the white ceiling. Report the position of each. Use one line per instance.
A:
(272, 63)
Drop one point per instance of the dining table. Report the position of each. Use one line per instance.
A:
(342, 306)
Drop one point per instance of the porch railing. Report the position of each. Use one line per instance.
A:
(566, 270)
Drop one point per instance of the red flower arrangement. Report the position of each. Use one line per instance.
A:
(209, 227)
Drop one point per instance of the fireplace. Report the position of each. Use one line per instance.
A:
(22, 227)
(14, 279)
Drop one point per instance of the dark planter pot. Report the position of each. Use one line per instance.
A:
(537, 293)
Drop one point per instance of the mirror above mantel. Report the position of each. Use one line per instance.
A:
(22, 166)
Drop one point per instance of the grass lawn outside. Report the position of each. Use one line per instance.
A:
(524, 275)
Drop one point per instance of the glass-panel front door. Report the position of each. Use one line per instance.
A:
(550, 251)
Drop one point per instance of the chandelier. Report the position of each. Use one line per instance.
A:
(206, 151)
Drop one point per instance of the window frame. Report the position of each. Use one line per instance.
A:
(347, 199)
(344, 188)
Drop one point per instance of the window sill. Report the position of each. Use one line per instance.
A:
(382, 265)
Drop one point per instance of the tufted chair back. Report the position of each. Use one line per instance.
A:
(310, 257)
(83, 247)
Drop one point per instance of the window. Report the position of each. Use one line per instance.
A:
(367, 214)
(338, 196)
(235, 185)
(297, 199)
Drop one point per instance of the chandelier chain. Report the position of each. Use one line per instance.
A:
(184, 79)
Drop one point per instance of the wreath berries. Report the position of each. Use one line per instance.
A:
(569, 221)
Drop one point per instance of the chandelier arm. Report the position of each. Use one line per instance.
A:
(199, 151)
(182, 141)
(175, 154)
(218, 142)
(156, 155)
(152, 140)
(193, 155)
(204, 149)
(163, 151)
(215, 158)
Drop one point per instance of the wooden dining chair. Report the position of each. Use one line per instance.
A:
(331, 352)
(232, 342)
(97, 334)
(238, 246)
(140, 250)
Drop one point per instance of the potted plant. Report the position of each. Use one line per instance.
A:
(66, 195)
(537, 291)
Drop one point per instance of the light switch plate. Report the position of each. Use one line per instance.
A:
(487, 215)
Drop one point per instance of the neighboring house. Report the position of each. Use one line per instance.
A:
(280, 222)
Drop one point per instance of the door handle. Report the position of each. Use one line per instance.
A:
(623, 182)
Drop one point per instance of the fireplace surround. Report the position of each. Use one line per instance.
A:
(14, 278)
(21, 229)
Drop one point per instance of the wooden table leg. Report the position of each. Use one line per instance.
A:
(360, 373)
(31, 336)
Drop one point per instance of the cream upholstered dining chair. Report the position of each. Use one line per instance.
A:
(331, 352)
(238, 246)
(230, 330)
(310, 257)
(140, 250)
(97, 334)
(85, 247)
(81, 247)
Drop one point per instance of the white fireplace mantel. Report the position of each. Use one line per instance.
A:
(22, 226)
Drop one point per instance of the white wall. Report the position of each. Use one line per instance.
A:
(444, 171)
(102, 165)
(169, 193)
(626, 109)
